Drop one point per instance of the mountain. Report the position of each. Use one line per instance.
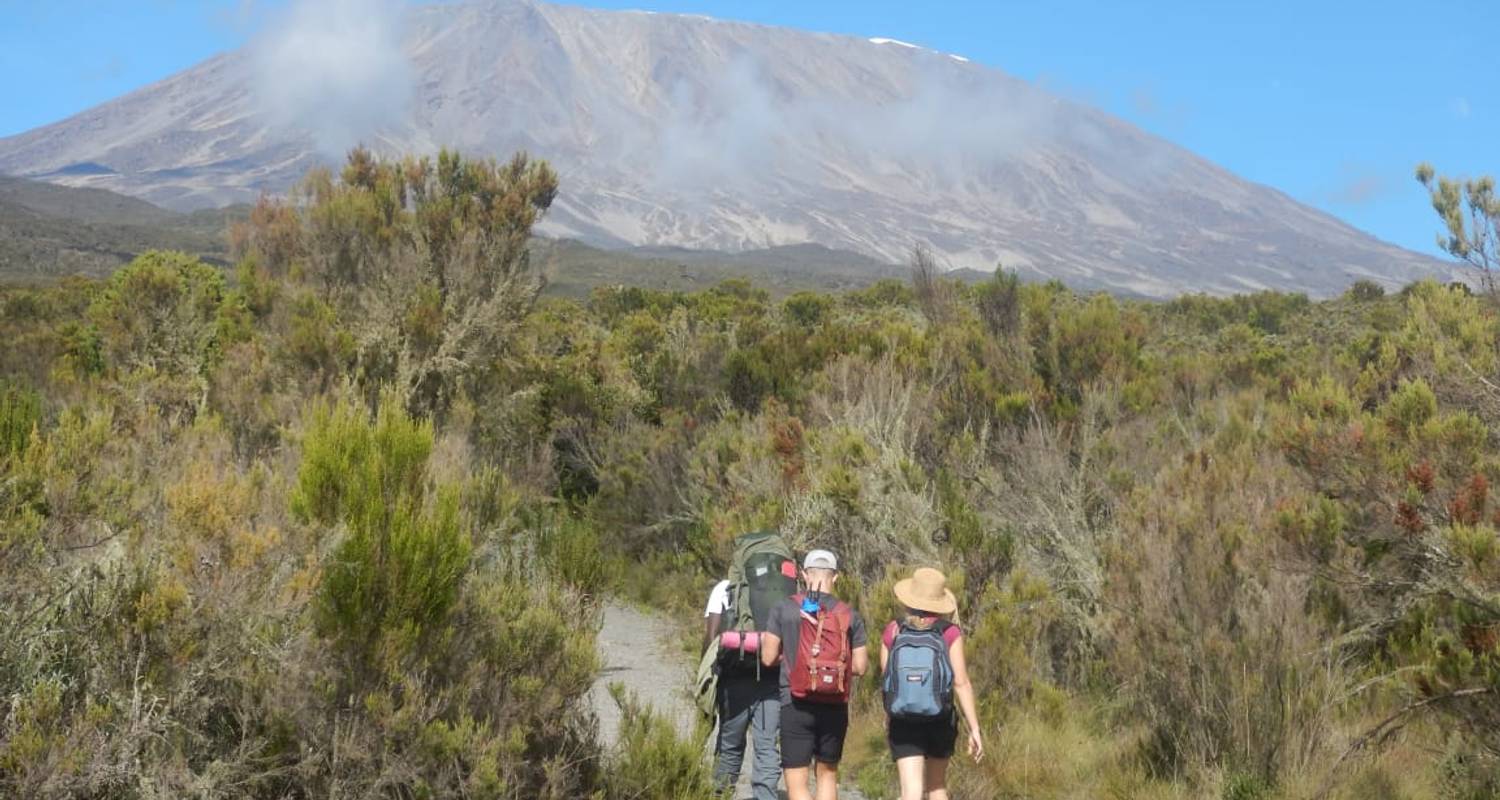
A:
(49, 231)
(689, 132)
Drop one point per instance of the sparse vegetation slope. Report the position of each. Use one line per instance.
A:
(336, 525)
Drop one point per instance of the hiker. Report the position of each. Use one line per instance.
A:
(820, 642)
(762, 574)
(923, 669)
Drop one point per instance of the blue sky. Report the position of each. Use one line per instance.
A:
(1331, 101)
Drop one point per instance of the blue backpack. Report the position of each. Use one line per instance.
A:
(918, 675)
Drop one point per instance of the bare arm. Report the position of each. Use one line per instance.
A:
(770, 648)
(711, 625)
(860, 664)
(964, 690)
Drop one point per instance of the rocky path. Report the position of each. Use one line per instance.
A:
(640, 651)
(643, 652)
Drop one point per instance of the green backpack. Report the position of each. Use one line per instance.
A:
(706, 687)
(762, 574)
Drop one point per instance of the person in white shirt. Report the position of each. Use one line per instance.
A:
(713, 614)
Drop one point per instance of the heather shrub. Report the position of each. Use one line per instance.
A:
(571, 549)
(1077, 344)
(1365, 291)
(651, 760)
(1009, 631)
(161, 312)
(315, 347)
(428, 256)
(343, 527)
(243, 393)
(1212, 638)
(1051, 510)
(20, 413)
(395, 574)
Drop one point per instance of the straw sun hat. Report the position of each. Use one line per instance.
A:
(926, 590)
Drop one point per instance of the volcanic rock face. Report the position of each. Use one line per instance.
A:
(672, 130)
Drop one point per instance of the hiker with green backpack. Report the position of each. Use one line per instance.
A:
(733, 683)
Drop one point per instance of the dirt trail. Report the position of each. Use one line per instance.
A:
(643, 652)
(639, 650)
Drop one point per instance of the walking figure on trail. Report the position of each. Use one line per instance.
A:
(923, 670)
(762, 574)
(820, 644)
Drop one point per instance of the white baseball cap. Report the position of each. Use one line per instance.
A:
(820, 559)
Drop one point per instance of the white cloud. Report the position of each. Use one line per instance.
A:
(738, 129)
(1460, 107)
(335, 69)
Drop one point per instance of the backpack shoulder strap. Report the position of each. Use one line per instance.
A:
(739, 591)
(937, 630)
(841, 615)
(940, 630)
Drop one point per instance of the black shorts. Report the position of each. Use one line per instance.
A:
(812, 731)
(930, 739)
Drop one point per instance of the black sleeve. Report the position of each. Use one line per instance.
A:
(857, 637)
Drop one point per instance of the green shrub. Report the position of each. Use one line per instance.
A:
(1200, 545)
(998, 302)
(1365, 291)
(1009, 631)
(1223, 661)
(1240, 786)
(314, 344)
(651, 760)
(395, 575)
(571, 550)
(354, 470)
(1466, 772)
(807, 309)
(160, 312)
(20, 413)
(747, 379)
(1410, 406)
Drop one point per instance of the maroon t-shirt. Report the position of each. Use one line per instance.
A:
(888, 636)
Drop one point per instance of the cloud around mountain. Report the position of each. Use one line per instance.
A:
(333, 69)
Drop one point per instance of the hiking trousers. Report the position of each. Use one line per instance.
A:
(749, 713)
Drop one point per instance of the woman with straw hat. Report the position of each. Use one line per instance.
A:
(924, 671)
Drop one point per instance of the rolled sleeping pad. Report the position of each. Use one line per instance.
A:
(748, 642)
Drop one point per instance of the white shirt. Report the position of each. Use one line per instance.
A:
(718, 599)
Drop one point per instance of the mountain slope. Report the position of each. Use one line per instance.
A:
(49, 231)
(689, 132)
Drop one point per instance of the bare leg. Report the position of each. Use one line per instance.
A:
(910, 775)
(937, 779)
(796, 783)
(828, 781)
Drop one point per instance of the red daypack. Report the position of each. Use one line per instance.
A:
(822, 671)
